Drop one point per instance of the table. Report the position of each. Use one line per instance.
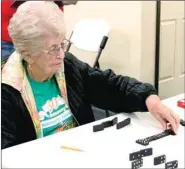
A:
(105, 149)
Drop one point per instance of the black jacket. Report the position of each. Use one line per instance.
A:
(86, 86)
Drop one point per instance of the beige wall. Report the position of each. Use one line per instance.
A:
(148, 28)
(124, 53)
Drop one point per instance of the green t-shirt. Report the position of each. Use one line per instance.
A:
(54, 114)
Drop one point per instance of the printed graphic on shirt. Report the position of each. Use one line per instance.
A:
(55, 116)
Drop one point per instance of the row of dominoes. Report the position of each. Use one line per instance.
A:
(110, 123)
(147, 140)
(165, 133)
(137, 159)
(126, 122)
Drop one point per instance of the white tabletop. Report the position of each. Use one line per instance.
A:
(105, 149)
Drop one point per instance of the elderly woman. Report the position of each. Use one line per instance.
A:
(45, 90)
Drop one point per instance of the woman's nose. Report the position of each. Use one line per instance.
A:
(60, 55)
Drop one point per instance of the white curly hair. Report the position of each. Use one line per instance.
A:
(32, 23)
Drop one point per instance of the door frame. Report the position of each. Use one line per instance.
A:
(157, 45)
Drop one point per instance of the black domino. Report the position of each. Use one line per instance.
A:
(143, 142)
(107, 124)
(114, 121)
(135, 155)
(140, 154)
(171, 164)
(159, 160)
(123, 123)
(97, 128)
(110, 123)
(146, 152)
(137, 163)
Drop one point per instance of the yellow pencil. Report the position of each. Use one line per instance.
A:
(71, 148)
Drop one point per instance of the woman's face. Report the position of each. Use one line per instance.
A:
(50, 60)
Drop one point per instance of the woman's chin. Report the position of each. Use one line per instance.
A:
(57, 68)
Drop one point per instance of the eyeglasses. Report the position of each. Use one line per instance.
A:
(56, 50)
